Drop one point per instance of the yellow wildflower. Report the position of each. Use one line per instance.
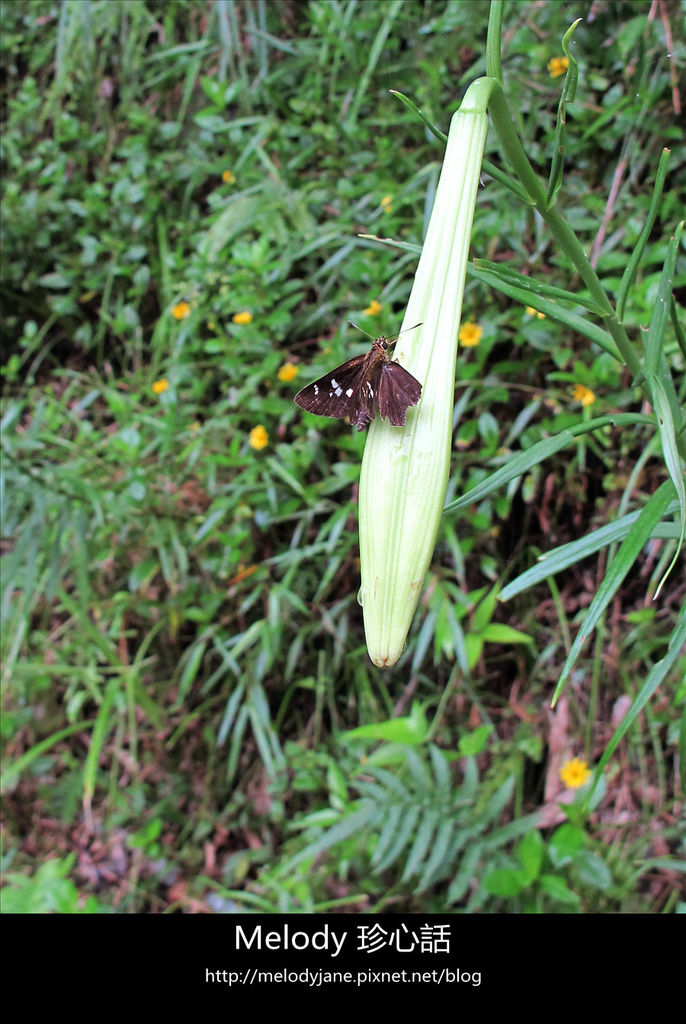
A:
(181, 310)
(160, 385)
(387, 203)
(242, 318)
(470, 334)
(583, 394)
(535, 312)
(259, 438)
(228, 177)
(373, 309)
(557, 66)
(287, 372)
(575, 773)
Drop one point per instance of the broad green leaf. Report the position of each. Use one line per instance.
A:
(530, 851)
(411, 729)
(505, 882)
(558, 889)
(565, 844)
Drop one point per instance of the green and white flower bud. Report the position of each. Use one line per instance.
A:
(405, 469)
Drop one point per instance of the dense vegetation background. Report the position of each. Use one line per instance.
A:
(184, 190)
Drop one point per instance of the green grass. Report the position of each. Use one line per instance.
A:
(184, 665)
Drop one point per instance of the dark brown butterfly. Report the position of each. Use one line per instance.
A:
(365, 383)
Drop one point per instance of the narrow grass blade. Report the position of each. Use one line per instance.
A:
(103, 725)
(631, 547)
(524, 461)
(670, 451)
(392, 10)
(638, 250)
(14, 770)
(562, 557)
(420, 114)
(553, 310)
(568, 94)
(658, 322)
(655, 677)
(537, 288)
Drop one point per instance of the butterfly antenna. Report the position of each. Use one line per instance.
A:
(389, 340)
(404, 330)
(361, 329)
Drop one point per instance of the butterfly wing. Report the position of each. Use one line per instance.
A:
(334, 394)
(367, 392)
(355, 389)
(398, 390)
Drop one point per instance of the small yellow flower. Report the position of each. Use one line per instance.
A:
(535, 312)
(228, 177)
(181, 310)
(373, 309)
(287, 372)
(387, 203)
(470, 334)
(575, 773)
(195, 426)
(210, 325)
(583, 394)
(259, 438)
(557, 66)
(242, 318)
(159, 386)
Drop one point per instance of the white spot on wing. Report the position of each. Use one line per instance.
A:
(349, 392)
(334, 383)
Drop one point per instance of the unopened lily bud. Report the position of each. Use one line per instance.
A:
(405, 469)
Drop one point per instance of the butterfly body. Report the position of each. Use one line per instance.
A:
(358, 388)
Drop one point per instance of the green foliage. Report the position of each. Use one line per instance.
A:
(422, 829)
(49, 891)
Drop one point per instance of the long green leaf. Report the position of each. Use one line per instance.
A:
(520, 464)
(104, 722)
(668, 439)
(655, 677)
(638, 250)
(14, 770)
(654, 343)
(562, 557)
(407, 820)
(631, 547)
(556, 312)
(568, 94)
(441, 136)
(351, 824)
(536, 288)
